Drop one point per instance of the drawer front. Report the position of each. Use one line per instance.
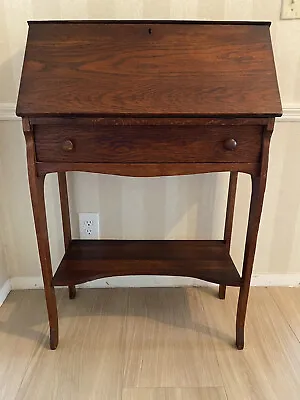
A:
(147, 144)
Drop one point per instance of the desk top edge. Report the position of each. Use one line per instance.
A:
(155, 21)
(146, 121)
(143, 116)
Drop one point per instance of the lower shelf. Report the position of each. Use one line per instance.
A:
(87, 260)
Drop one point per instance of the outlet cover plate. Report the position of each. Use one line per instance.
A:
(89, 226)
(290, 9)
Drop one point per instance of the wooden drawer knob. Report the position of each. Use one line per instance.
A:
(68, 145)
(230, 144)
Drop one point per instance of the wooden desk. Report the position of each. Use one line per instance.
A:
(147, 99)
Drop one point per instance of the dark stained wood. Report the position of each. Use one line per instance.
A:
(150, 121)
(36, 185)
(148, 170)
(153, 22)
(87, 260)
(230, 208)
(64, 205)
(256, 204)
(119, 69)
(142, 98)
(230, 144)
(222, 292)
(136, 144)
(65, 215)
(72, 292)
(229, 220)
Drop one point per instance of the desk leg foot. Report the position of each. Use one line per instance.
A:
(53, 338)
(52, 315)
(72, 292)
(222, 292)
(258, 188)
(241, 316)
(240, 338)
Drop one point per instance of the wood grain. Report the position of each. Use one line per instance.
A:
(174, 394)
(229, 220)
(178, 69)
(86, 260)
(23, 328)
(166, 337)
(230, 208)
(161, 121)
(201, 92)
(36, 186)
(89, 362)
(166, 343)
(65, 216)
(288, 301)
(146, 144)
(268, 367)
(64, 206)
(148, 170)
(256, 204)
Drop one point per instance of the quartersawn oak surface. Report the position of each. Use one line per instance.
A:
(151, 344)
(147, 144)
(148, 68)
(86, 260)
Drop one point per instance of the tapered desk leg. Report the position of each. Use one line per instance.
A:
(258, 188)
(229, 220)
(36, 184)
(65, 215)
(257, 197)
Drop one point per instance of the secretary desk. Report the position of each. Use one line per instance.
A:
(144, 99)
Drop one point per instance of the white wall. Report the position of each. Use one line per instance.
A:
(173, 207)
(3, 249)
(3, 272)
(3, 267)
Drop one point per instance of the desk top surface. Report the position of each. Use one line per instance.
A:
(144, 68)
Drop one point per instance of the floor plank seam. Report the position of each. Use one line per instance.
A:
(124, 335)
(214, 346)
(41, 341)
(258, 371)
(39, 345)
(284, 316)
(174, 387)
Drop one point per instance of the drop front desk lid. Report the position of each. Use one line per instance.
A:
(143, 68)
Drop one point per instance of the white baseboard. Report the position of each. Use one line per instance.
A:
(285, 280)
(264, 280)
(125, 281)
(26, 282)
(8, 112)
(4, 291)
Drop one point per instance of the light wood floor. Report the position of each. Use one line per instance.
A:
(151, 344)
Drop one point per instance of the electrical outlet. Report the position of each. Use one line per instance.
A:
(89, 225)
(290, 9)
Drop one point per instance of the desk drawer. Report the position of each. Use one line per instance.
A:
(148, 144)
